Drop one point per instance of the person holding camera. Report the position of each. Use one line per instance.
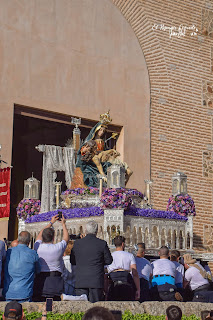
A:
(49, 283)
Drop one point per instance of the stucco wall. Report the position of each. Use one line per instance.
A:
(80, 58)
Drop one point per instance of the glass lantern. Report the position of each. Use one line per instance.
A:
(179, 183)
(31, 188)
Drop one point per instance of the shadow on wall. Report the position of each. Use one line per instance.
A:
(198, 243)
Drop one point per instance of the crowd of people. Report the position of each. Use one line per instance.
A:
(85, 269)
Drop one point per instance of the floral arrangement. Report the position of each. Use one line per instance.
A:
(81, 191)
(27, 208)
(112, 198)
(97, 211)
(133, 192)
(119, 198)
(181, 204)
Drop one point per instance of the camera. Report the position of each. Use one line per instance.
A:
(75, 236)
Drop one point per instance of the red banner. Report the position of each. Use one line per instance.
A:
(4, 193)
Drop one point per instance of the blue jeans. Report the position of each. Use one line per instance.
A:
(69, 289)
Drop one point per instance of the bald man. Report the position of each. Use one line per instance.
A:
(20, 267)
(163, 281)
(14, 243)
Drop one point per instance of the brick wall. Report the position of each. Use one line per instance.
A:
(180, 71)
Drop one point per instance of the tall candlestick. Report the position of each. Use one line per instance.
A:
(148, 190)
(58, 185)
(101, 187)
(76, 133)
(100, 184)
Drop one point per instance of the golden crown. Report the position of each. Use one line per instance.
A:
(105, 118)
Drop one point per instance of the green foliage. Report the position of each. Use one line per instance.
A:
(78, 316)
(192, 317)
(55, 316)
(144, 316)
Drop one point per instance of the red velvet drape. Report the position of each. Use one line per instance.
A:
(4, 192)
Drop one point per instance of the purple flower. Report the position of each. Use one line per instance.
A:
(182, 205)
(118, 198)
(97, 211)
(81, 191)
(28, 207)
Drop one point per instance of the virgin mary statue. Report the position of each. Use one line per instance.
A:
(94, 159)
(87, 157)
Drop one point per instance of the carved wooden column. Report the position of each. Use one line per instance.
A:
(131, 238)
(149, 238)
(178, 240)
(160, 240)
(143, 235)
(172, 239)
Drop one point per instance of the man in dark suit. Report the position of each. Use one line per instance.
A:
(90, 255)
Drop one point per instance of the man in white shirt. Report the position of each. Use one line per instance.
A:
(163, 281)
(49, 283)
(123, 272)
(197, 277)
(144, 272)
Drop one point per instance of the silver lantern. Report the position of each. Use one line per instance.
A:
(116, 176)
(179, 183)
(31, 188)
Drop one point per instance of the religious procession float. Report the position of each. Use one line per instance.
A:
(96, 179)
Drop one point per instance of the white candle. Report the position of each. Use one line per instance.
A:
(101, 187)
(57, 195)
(148, 192)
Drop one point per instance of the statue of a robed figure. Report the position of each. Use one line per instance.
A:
(94, 159)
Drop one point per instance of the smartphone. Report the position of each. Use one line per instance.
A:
(59, 215)
(117, 314)
(49, 304)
